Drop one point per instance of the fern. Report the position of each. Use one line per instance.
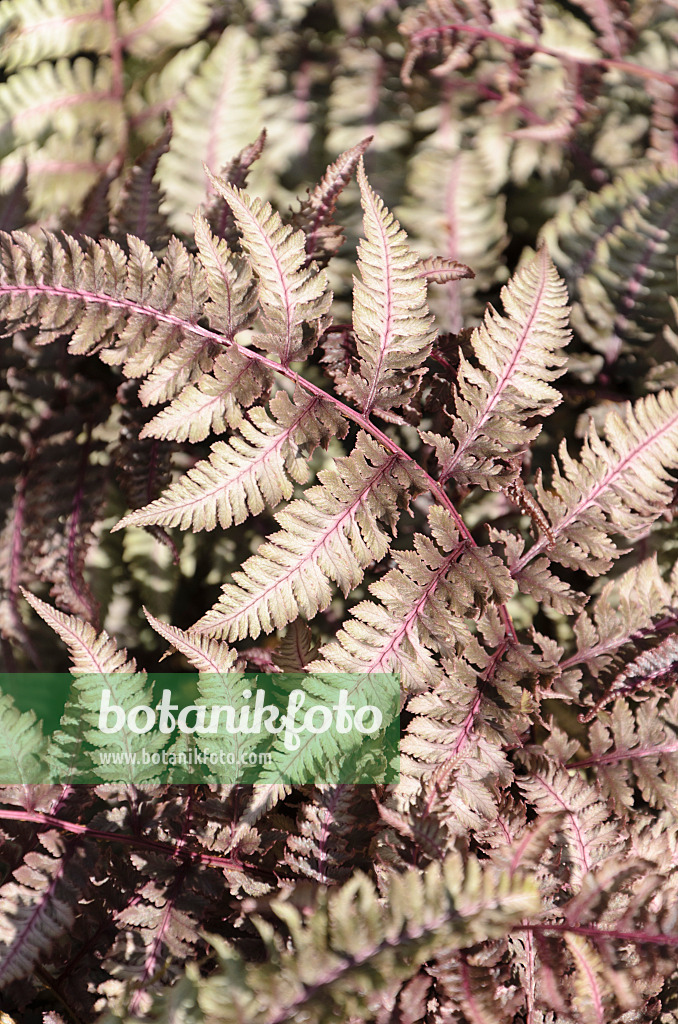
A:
(518, 357)
(331, 534)
(503, 541)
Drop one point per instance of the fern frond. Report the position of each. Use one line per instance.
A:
(316, 213)
(137, 208)
(423, 607)
(157, 932)
(625, 609)
(329, 824)
(248, 473)
(454, 212)
(35, 909)
(390, 316)
(62, 97)
(518, 356)
(290, 294)
(331, 534)
(148, 27)
(587, 833)
(636, 746)
(464, 772)
(21, 744)
(232, 288)
(218, 113)
(296, 649)
(235, 172)
(36, 30)
(90, 651)
(618, 253)
(97, 659)
(356, 945)
(620, 484)
(203, 653)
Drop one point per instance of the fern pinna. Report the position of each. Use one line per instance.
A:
(520, 870)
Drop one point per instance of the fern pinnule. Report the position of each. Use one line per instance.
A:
(424, 604)
(635, 747)
(250, 472)
(316, 213)
(204, 653)
(291, 295)
(331, 534)
(214, 402)
(620, 484)
(518, 357)
(390, 317)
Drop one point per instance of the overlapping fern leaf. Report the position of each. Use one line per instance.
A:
(331, 534)
(248, 473)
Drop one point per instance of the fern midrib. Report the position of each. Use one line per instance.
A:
(410, 935)
(349, 413)
(577, 831)
(395, 639)
(185, 641)
(262, 235)
(387, 327)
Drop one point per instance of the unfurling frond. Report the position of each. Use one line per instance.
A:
(243, 476)
(316, 213)
(290, 293)
(518, 355)
(390, 317)
(331, 534)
